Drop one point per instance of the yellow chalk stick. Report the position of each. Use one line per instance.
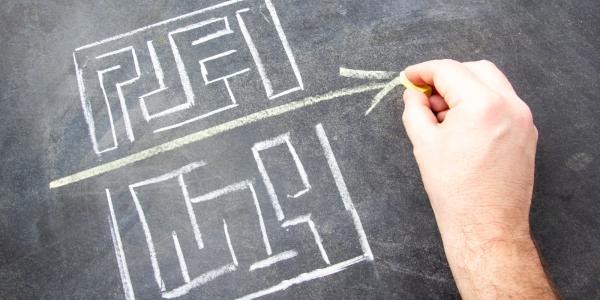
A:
(426, 89)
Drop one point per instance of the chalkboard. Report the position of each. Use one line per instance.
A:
(253, 148)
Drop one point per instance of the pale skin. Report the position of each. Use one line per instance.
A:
(475, 143)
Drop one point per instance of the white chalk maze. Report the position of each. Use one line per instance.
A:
(181, 70)
(225, 237)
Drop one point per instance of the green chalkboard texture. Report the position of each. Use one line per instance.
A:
(222, 149)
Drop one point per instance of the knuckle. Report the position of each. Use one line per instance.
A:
(524, 116)
(449, 63)
(487, 64)
(492, 103)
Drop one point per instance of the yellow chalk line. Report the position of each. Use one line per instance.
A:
(392, 84)
(373, 75)
(200, 135)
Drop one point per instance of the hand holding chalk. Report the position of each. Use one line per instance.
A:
(477, 166)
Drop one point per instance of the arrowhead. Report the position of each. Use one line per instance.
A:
(377, 75)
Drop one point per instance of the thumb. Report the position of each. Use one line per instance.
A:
(418, 119)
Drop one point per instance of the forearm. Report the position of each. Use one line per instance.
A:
(491, 262)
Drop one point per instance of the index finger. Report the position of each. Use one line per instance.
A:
(449, 78)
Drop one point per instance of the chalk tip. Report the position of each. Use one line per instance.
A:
(426, 89)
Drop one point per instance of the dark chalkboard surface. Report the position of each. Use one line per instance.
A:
(239, 149)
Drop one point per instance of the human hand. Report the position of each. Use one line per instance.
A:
(476, 159)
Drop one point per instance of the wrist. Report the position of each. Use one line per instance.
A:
(480, 225)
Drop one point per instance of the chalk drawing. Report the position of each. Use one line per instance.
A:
(224, 191)
(187, 86)
(243, 265)
(138, 206)
(284, 138)
(207, 276)
(198, 117)
(391, 85)
(263, 229)
(304, 277)
(182, 264)
(119, 252)
(86, 106)
(206, 133)
(256, 56)
(185, 80)
(247, 184)
(160, 77)
(217, 34)
(186, 83)
(190, 209)
(374, 75)
(110, 118)
(311, 224)
(158, 72)
(286, 47)
(343, 190)
(198, 281)
(273, 259)
(130, 33)
(260, 263)
(119, 86)
(204, 71)
(235, 262)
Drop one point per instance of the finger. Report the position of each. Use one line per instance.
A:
(492, 77)
(438, 103)
(418, 119)
(449, 78)
(441, 116)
